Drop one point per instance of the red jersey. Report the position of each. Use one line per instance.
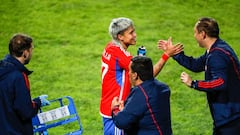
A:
(115, 78)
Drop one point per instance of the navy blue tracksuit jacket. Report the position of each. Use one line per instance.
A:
(16, 106)
(222, 80)
(146, 110)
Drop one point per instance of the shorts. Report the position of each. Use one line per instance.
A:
(109, 127)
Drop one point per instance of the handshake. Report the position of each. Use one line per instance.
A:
(44, 101)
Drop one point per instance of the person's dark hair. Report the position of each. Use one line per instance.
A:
(18, 43)
(143, 67)
(208, 25)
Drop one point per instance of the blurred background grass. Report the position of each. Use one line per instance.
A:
(69, 36)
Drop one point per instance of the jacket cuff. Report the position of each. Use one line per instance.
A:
(36, 102)
(194, 84)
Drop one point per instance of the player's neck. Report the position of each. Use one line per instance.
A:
(210, 42)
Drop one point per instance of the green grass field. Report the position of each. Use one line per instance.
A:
(69, 36)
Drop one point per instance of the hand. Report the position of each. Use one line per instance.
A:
(44, 100)
(115, 102)
(121, 105)
(163, 44)
(174, 49)
(186, 79)
(168, 48)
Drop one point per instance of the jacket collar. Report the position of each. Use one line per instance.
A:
(12, 63)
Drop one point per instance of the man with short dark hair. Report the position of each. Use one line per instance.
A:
(146, 111)
(222, 76)
(17, 107)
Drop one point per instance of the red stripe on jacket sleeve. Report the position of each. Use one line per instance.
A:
(211, 84)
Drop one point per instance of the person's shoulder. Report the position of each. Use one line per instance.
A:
(221, 50)
(11, 74)
(161, 84)
(117, 50)
(111, 47)
(7, 67)
(16, 73)
(221, 45)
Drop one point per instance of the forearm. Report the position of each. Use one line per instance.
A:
(209, 85)
(192, 64)
(159, 65)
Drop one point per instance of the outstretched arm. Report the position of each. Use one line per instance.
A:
(169, 51)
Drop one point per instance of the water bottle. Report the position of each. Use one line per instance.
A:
(141, 51)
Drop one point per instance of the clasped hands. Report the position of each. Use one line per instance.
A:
(117, 103)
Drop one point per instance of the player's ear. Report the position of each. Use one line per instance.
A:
(135, 76)
(120, 37)
(203, 33)
(24, 54)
